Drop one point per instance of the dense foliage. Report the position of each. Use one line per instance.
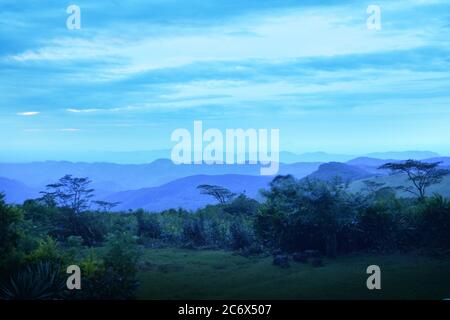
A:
(41, 237)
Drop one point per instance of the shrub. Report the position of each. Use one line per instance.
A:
(122, 254)
(242, 206)
(240, 235)
(434, 225)
(91, 226)
(193, 231)
(47, 250)
(122, 223)
(148, 225)
(40, 281)
(10, 236)
(376, 225)
(114, 277)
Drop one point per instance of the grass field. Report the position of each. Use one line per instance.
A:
(190, 274)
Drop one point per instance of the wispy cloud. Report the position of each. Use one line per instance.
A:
(284, 35)
(312, 69)
(73, 110)
(28, 113)
(69, 130)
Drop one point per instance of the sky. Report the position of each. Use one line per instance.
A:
(137, 70)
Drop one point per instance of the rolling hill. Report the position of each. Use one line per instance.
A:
(184, 193)
(328, 171)
(161, 184)
(110, 177)
(15, 191)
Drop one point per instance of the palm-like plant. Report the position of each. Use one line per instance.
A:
(41, 281)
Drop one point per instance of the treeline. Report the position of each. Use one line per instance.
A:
(41, 237)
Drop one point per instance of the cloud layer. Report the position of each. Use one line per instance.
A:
(136, 71)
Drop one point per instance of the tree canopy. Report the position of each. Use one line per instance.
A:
(421, 174)
(71, 192)
(221, 194)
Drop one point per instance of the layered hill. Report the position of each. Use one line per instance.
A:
(110, 177)
(15, 191)
(346, 172)
(162, 185)
(183, 193)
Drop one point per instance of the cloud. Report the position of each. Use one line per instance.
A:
(28, 113)
(73, 110)
(284, 35)
(259, 63)
(69, 130)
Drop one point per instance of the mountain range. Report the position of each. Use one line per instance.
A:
(110, 177)
(162, 185)
(183, 192)
(142, 157)
(16, 191)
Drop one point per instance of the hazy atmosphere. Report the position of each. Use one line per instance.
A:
(222, 149)
(134, 72)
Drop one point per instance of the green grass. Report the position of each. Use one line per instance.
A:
(190, 274)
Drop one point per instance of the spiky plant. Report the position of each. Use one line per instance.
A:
(40, 281)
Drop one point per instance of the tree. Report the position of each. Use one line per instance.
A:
(372, 186)
(420, 174)
(434, 223)
(305, 214)
(10, 236)
(221, 194)
(242, 205)
(71, 192)
(106, 206)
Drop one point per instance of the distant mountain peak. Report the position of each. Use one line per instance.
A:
(330, 170)
(404, 155)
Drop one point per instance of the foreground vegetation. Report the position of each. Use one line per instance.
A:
(228, 250)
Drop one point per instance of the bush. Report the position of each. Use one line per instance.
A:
(377, 228)
(120, 264)
(148, 225)
(194, 231)
(10, 236)
(92, 227)
(240, 236)
(434, 225)
(242, 206)
(41, 281)
(114, 277)
(48, 250)
(41, 217)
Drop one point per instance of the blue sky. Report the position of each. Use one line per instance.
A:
(137, 70)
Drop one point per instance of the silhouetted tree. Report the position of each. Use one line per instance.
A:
(421, 174)
(71, 192)
(221, 194)
(372, 186)
(106, 206)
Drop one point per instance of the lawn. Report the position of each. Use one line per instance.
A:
(204, 274)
